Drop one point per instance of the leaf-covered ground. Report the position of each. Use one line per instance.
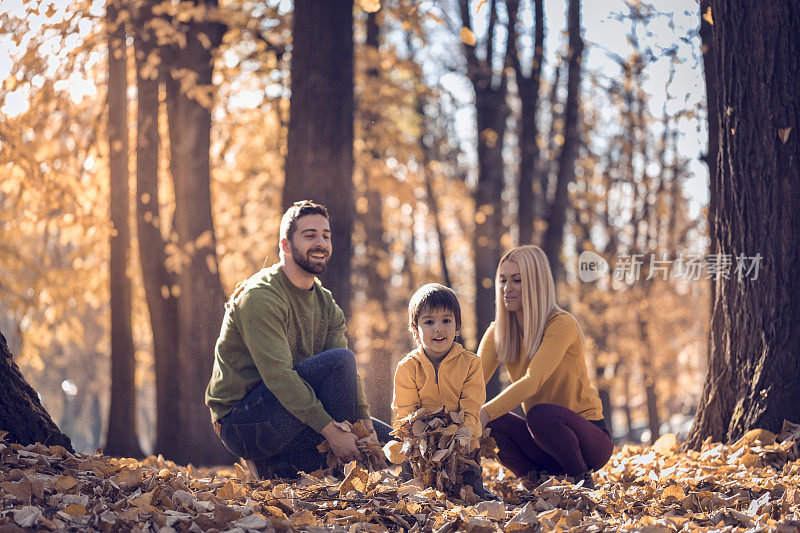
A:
(751, 485)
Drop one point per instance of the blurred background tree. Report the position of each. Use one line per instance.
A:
(475, 125)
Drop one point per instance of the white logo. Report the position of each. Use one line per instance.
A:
(591, 266)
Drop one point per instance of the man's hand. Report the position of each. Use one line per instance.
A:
(343, 443)
(483, 417)
(373, 437)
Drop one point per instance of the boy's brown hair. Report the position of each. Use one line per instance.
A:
(432, 296)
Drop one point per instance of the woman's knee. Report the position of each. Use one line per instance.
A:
(543, 414)
(506, 424)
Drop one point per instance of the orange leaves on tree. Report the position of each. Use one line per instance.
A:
(707, 16)
(370, 6)
(468, 36)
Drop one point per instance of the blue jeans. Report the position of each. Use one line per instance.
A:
(259, 428)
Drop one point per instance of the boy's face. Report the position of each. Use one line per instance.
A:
(436, 331)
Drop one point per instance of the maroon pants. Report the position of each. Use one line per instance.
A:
(551, 438)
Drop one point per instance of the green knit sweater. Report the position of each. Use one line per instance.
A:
(271, 326)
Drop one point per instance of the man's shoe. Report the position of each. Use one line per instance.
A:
(274, 467)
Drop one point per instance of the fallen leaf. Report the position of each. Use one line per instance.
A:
(393, 450)
(666, 443)
(673, 491)
(75, 510)
(27, 516)
(356, 479)
(303, 518)
(64, 483)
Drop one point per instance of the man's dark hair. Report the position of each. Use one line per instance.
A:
(297, 210)
(433, 297)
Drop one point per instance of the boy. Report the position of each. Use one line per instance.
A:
(440, 372)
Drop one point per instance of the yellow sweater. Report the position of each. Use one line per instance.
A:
(457, 384)
(555, 374)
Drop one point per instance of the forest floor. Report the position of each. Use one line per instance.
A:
(750, 485)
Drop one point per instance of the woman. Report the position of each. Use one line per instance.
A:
(563, 431)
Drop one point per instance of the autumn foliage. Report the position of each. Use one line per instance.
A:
(754, 483)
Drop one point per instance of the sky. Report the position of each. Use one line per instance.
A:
(605, 36)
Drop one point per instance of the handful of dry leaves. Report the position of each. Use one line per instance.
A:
(372, 457)
(437, 446)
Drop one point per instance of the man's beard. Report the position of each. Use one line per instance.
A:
(304, 262)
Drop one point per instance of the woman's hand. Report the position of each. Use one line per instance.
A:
(483, 416)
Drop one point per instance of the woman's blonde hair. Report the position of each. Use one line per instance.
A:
(538, 300)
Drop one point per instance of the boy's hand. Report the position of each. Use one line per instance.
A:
(483, 416)
(343, 443)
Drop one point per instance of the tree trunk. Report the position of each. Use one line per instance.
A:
(491, 113)
(626, 407)
(754, 374)
(712, 113)
(712, 152)
(433, 207)
(121, 439)
(430, 154)
(653, 420)
(319, 159)
(528, 87)
(651, 399)
(554, 235)
(200, 294)
(158, 282)
(21, 412)
(542, 201)
(379, 368)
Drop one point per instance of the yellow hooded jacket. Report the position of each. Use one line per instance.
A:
(457, 384)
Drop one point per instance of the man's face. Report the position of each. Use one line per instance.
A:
(311, 243)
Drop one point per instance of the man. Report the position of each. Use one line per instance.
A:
(282, 371)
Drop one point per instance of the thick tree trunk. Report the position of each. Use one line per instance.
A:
(158, 282)
(712, 113)
(121, 439)
(21, 412)
(754, 368)
(528, 87)
(712, 152)
(200, 294)
(557, 213)
(319, 159)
